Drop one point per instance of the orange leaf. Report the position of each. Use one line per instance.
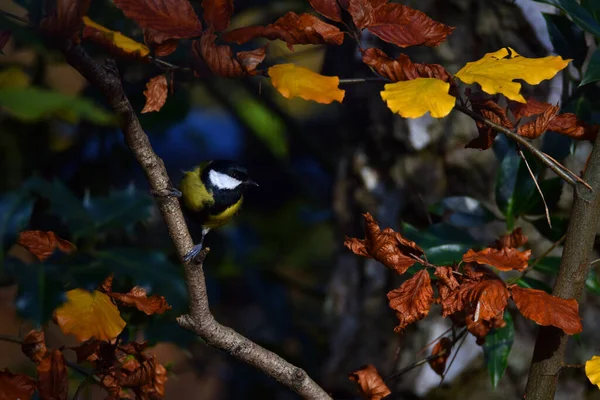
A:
(539, 125)
(16, 386)
(403, 26)
(293, 81)
(176, 19)
(34, 346)
(42, 244)
(370, 383)
(412, 300)
(387, 247)
(66, 20)
(138, 298)
(362, 11)
(487, 107)
(505, 259)
(89, 314)
(328, 8)
(161, 44)
(481, 328)
(156, 94)
(441, 349)
(514, 239)
(292, 29)
(53, 377)
(402, 69)
(250, 59)
(217, 13)
(546, 309)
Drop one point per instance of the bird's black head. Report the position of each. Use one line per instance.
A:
(226, 175)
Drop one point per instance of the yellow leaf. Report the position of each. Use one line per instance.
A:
(495, 72)
(107, 37)
(294, 81)
(14, 77)
(89, 314)
(412, 99)
(592, 370)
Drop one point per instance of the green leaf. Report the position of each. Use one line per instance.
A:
(592, 73)
(593, 7)
(592, 282)
(463, 211)
(552, 189)
(15, 211)
(446, 253)
(559, 227)
(578, 14)
(437, 235)
(496, 349)
(267, 126)
(567, 39)
(548, 265)
(532, 283)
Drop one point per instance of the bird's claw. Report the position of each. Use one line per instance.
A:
(169, 192)
(193, 252)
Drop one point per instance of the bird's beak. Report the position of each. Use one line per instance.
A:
(251, 183)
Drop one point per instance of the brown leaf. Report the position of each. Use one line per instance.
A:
(141, 376)
(156, 94)
(402, 69)
(250, 59)
(175, 19)
(106, 285)
(362, 11)
(217, 13)
(138, 298)
(161, 44)
(34, 346)
(292, 29)
(403, 26)
(66, 20)
(98, 352)
(505, 259)
(488, 108)
(4, 38)
(514, 239)
(539, 125)
(546, 309)
(16, 386)
(441, 349)
(133, 348)
(481, 328)
(387, 247)
(370, 383)
(53, 378)
(412, 300)
(446, 277)
(42, 244)
(328, 8)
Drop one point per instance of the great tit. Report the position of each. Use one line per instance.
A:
(212, 194)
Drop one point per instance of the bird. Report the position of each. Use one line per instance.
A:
(212, 193)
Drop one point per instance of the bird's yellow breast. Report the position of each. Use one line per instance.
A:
(222, 218)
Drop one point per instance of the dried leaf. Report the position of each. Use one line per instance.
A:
(441, 349)
(412, 300)
(53, 377)
(412, 99)
(592, 370)
(156, 94)
(42, 244)
(89, 314)
(402, 69)
(98, 352)
(292, 29)
(176, 19)
(546, 309)
(113, 41)
(16, 386)
(370, 383)
(488, 108)
(293, 81)
(328, 8)
(133, 348)
(539, 125)
(34, 346)
(446, 277)
(141, 376)
(217, 13)
(161, 44)
(250, 59)
(403, 26)
(496, 72)
(514, 239)
(106, 285)
(138, 298)
(505, 259)
(362, 11)
(4, 38)
(481, 328)
(387, 247)
(66, 19)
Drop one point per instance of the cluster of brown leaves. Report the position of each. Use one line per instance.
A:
(43, 244)
(474, 295)
(530, 120)
(369, 382)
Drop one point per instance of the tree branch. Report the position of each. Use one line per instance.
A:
(199, 320)
(551, 342)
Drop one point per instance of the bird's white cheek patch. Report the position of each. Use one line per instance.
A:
(223, 181)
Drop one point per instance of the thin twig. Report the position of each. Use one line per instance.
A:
(462, 335)
(536, 185)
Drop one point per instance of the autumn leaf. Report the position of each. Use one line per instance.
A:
(327, 8)
(402, 69)
(34, 346)
(176, 19)
(66, 19)
(162, 45)
(496, 72)
(539, 125)
(442, 350)
(514, 239)
(156, 94)
(403, 26)
(217, 13)
(53, 376)
(412, 300)
(412, 99)
(546, 309)
(292, 29)
(592, 370)
(43, 244)
(89, 314)
(362, 11)
(370, 383)
(294, 81)
(16, 386)
(505, 259)
(387, 247)
(480, 328)
(138, 298)
(4, 38)
(113, 41)
(488, 108)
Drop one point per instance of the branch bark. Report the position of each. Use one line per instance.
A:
(551, 342)
(199, 320)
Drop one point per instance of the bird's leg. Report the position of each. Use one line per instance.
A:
(197, 248)
(169, 192)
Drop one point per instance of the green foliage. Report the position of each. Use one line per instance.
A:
(496, 349)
